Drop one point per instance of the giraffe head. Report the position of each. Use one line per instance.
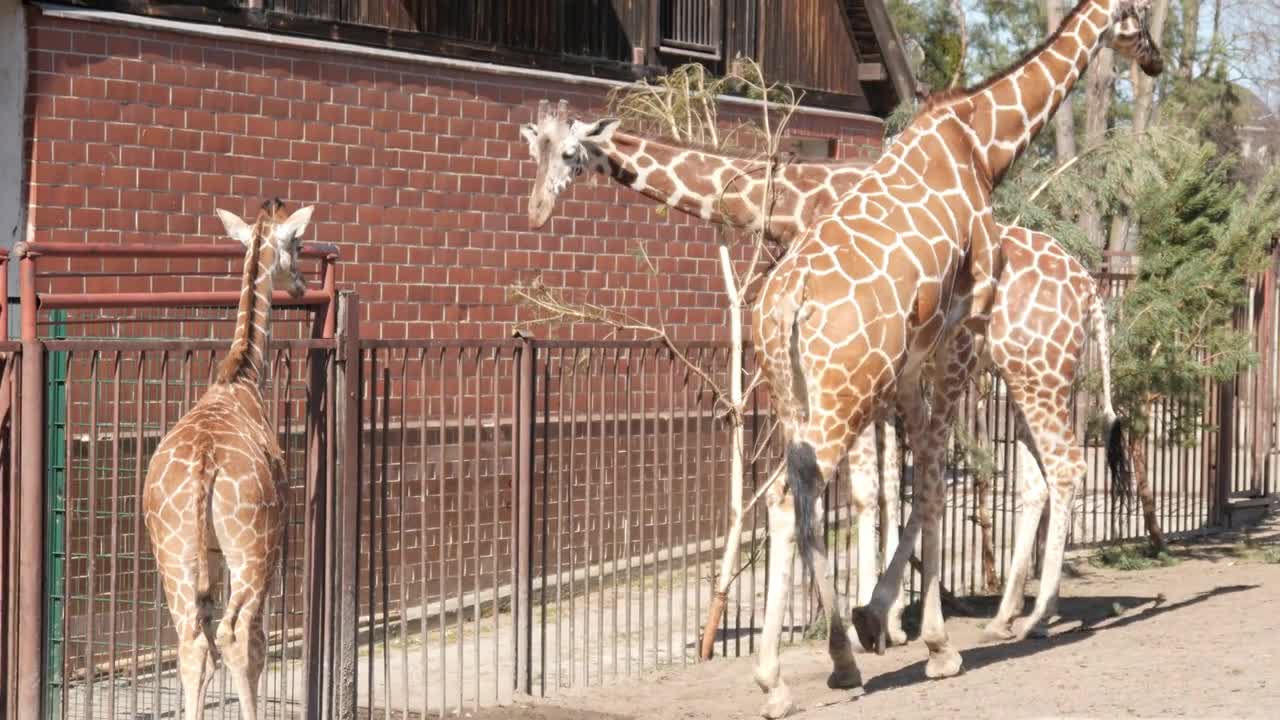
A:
(1131, 36)
(277, 237)
(563, 150)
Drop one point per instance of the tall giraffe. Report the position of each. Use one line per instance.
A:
(1004, 114)
(727, 190)
(221, 467)
(851, 313)
(1034, 322)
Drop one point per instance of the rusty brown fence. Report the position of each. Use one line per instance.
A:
(468, 520)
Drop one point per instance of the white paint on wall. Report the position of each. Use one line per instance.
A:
(13, 86)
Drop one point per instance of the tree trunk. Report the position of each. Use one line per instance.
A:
(1099, 88)
(1144, 89)
(1064, 123)
(1190, 38)
(1138, 455)
(737, 455)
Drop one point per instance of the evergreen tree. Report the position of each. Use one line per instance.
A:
(1202, 239)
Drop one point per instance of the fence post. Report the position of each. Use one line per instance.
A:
(30, 662)
(1226, 451)
(345, 506)
(522, 610)
(316, 515)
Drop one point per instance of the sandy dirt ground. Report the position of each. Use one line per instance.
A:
(1198, 639)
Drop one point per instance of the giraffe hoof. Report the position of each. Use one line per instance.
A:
(778, 706)
(943, 664)
(998, 631)
(870, 630)
(844, 678)
(1039, 630)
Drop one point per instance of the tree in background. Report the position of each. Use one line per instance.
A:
(1203, 237)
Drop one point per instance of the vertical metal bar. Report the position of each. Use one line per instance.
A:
(91, 543)
(29, 669)
(423, 545)
(138, 529)
(644, 493)
(348, 538)
(496, 442)
(315, 519)
(522, 527)
(402, 514)
(563, 408)
(113, 582)
(684, 511)
(475, 498)
(459, 448)
(159, 594)
(588, 478)
(573, 541)
(442, 440)
(629, 480)
(699, 419)
(671, 504)
(616, 556)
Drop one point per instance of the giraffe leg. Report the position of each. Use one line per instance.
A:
(1033, 492)
(768, 672)
(944, 659)
(890, 499)
(1064, 465)
(241, 637)
(844, 669)
(863, 486)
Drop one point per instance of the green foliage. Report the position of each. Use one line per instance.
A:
(1271, 556)
(1131, 557)
(930, 32)
(1045, 196)
(1201, 240)
(1002, 31)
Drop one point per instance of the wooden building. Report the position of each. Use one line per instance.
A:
(399, 119)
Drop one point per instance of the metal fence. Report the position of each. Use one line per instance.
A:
(468, 520)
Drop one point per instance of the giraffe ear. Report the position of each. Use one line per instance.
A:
(296, 224)
(600, 131)
(236, 228)
(529, 132)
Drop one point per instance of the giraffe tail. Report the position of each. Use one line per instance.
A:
(1114, 428)
(204, 489)
(804, 477)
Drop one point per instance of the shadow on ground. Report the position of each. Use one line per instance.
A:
(1093, 614)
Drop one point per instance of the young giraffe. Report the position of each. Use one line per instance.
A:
(221, 467)
(730, 190)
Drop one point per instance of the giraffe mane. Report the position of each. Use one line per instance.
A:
(738, 152)
(233, 364)
(943, 98)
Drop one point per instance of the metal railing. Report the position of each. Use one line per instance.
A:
(468, 520)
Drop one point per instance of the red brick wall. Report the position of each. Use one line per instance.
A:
(418, 172)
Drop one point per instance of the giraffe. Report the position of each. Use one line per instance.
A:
(1042, 327)
(853, 310)
(221, 467)
(728, 190)
(1004, 114)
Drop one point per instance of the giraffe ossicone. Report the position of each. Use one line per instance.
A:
(218, 476)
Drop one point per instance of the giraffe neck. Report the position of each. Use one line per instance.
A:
(244, 362)
(713, 187)
(1008, 112)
